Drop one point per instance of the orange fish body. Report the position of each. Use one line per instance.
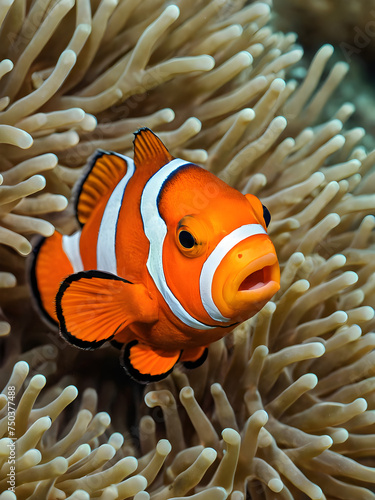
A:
(169, 259)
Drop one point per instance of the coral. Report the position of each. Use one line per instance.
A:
(284, 407)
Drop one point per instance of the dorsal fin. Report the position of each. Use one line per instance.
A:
(105, 171)
(149, 151)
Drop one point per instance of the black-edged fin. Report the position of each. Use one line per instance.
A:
(266, 215)
(92, 306)
(104, 172)
(197, 362)
(116, 344)
(144, 365)
(32, 265)
(149, 151)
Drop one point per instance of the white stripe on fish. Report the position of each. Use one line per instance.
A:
(70, 245)
(106, 243)
(213, 261)
(155, 230)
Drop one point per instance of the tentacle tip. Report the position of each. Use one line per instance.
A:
(195, 124)
(7, 63)
(316, 493)
(280, 121)
(310, 379)
(164, 447)
(326, 441)
(48, 230)
(231, 436)
(26, 141)
(62, 202)
(318, 349)
(209, 454)
(275, 485)
(278, 84)
(187, 392)
(247, 114)
(71, 392)
(22, 367)
(38, 381)
(172, 11)
(361, 404)
(262, 417)
(168, 115)
(150, 399)
(216, 389)
(245, 58)
(208, 62)
(25, 248)
(68, 57)
(328, 49)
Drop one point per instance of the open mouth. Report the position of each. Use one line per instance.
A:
(255, 280)
(246, 282)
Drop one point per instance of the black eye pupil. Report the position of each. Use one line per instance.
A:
(266, 215)
(186, 239)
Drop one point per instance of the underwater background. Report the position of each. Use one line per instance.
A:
(284, 407)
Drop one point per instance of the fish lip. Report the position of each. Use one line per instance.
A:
(262, 266)
(243, 260)
(267, 263)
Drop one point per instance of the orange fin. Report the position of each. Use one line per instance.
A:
(105, 171)
(149, 151)
(145, 365)
(92, 306)
(49, 266)
(192, 358)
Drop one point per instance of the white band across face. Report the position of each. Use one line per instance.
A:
(106, 243)
(214, 260)
(155, 229)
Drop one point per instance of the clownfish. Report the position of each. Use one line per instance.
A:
(169, 259)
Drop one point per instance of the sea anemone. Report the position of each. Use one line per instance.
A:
(284, 407)
(349, 25)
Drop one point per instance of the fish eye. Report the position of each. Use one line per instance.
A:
(191, 236)
(186, 239)
(266, 215)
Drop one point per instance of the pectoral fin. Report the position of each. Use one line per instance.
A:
(192, 358)
(92, 306)
(145, 365)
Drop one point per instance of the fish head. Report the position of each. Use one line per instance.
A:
(242, 271)
(218, 258)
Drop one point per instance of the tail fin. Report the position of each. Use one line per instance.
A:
(49, 267)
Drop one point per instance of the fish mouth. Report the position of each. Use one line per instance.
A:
(249, 290)
(246, 279)
(256, 279)
(257, 275)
